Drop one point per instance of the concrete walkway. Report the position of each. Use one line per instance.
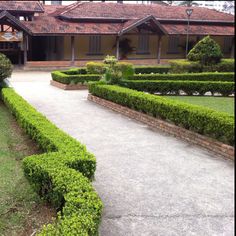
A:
(152, 184)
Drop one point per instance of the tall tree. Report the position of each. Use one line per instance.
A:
(188, 3)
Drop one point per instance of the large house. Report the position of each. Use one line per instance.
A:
(31, 31)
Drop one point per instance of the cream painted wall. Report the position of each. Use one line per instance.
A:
(108, 43)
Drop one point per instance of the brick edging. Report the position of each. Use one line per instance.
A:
(68, 86)
(157, 124)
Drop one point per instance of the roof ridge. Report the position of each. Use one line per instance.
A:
(71, 7)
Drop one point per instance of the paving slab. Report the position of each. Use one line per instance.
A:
(151, 183)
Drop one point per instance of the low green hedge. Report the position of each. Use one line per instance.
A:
(189, 87)
(63, 78)
(75, 71)
(62, 174)
(196, 118)
(191, 76)
(151, 69)
(185, 66)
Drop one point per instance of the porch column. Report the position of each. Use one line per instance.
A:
(72, 50)
(25, 43)
(159, 49)
(118, 48)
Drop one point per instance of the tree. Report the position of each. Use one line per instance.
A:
(228, 6)
(188, 3)
(5, 67)
(206, 51)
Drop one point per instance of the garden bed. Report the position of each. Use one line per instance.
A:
(68, 86)
(22, 212)
(62, 175)
(216, 125)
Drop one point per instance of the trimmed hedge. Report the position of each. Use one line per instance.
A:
(152, 69)
(189, 87)
(196, 118)
(63, 78)
(62, 174)
(192, 76)
(185, 66)
(76, 71)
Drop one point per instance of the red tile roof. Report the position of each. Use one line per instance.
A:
(134, 11)
(25, 6)
(199, 29)
(75, 15)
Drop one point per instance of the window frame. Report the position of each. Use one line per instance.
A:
(143, 44)
(171, 49)
(95, 45)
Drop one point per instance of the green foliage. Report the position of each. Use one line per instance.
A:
(206, 51)
(69, 78)
(185, 66)
(76, 71)
(199, 119)
(5, 67)
(95, 68)
(193, 76)
(152, 69)
(176, 86)
(127, 69)
(62, 174)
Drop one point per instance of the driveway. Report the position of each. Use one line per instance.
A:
(151, 183)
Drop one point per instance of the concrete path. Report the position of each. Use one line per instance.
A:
(152, 184)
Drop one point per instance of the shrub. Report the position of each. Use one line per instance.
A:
(175, 86)
(63, 78)
(5, 67)
(95, 68)
(62, 174)
(151, 69)
(127, 69)
(76, 71)
(226, 65)
(206, 51)
(194, 77)
(185, 66)
(196, 118)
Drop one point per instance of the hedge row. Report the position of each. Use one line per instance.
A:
(192, 76)
(76, 71)
(63, 78)
(151, 69)
(185, 66)
(62, 174)
(189, 87)
(199, 119)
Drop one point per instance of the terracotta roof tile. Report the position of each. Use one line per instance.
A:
(134, 11)
(25, 6)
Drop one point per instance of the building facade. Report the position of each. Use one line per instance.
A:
(31, 31)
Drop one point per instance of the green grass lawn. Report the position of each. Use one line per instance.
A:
(222, 104)
(21, 210)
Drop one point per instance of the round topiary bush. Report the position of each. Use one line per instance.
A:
(5, 67)
(207, 52)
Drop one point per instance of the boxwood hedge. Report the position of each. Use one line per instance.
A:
(151, 69)
(64, 78)
(175, 86)
(191, 76)
(202, 120)
(62, 174)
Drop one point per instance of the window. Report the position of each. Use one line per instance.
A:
(173, 46)
(95, 45)
(59, 2)
(143, 44)
(227, 45)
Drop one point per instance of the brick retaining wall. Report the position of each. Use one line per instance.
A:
(157, 124)
(68, 86)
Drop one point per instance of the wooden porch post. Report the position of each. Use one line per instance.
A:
(159, 49)
(118, 48)
(25, 43)
(72, 50)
